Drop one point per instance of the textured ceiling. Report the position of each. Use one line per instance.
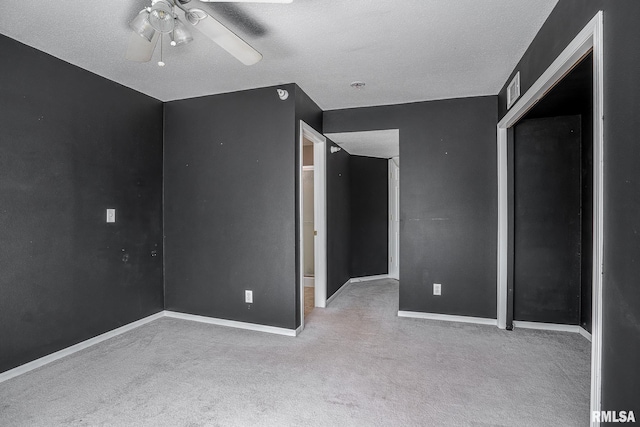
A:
(377, 143)
(410, 50)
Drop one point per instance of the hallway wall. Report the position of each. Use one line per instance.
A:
(369, 189)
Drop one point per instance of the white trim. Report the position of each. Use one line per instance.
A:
(598, 212)
(394, 211)
(232, 323)
(503, 228)
(338, 292)
(309, 281)
(369, 278)
(448, 318)
(585, 333)
(591, 37)
(307, 168)
(22, 369)
(30, 366)
(546, 326)
(320, 217)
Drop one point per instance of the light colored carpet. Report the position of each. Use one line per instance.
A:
(356, 364)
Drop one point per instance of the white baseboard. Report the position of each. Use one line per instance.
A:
(448, 317)
(546, 326)
(368, 278)
(336, 293)
(22, 369)
(309, 282)
(584, 333)
(231, 323)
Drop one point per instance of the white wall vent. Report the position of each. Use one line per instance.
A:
(513, 91)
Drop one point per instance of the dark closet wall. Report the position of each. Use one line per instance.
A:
(369, 188)
(547, 221)
(230, 206)
(72, 145)
(621, 291)
(448, 199)
(338, 219)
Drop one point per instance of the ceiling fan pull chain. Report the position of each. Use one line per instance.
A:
(161, 62)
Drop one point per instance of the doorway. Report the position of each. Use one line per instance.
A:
(589, 39)
(312, 248)
(550, 158)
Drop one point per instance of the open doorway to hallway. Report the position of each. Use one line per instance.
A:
(363, 186)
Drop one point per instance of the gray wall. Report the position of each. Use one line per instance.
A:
(448, 199)
(73, 144)
(621, 292)
(369, 198)
(230, 206)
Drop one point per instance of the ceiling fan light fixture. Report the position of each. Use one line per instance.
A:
(161, 16)
(142, 26)
(180, 35)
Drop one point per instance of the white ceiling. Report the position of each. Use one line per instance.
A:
(410, 50)
(376, 143)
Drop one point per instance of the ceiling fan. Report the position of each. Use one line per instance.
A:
(162, 18)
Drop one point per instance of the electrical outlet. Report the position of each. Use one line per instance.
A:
(248, 297)
(437, 289)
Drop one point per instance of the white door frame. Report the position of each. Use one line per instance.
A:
(394, 216)
(591, 37)
(320, 217)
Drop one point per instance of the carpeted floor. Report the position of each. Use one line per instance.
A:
(356, 364)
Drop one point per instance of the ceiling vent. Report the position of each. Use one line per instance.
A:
(513, 91)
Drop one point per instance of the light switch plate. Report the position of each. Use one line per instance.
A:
(437, 289)
(111, 215)
(248, 297)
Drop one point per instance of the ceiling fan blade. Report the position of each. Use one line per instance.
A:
(139, 49)
(247, 1)
(227, 40)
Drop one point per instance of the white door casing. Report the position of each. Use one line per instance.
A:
(394, 220)
(320, 217)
